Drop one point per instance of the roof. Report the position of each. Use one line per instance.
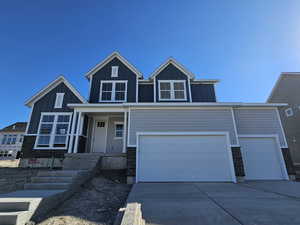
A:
(15, 127)
(282, 75)
(49, 87)
(117, 55)
(179, 104)
(174, 63)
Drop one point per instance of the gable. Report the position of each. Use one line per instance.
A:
(50, 87)
(107, 60)
(174, 63)
(171, 72)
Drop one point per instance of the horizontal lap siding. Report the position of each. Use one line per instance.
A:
(258, 121)
(180, 120)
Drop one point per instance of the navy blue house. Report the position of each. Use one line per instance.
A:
(167, 123)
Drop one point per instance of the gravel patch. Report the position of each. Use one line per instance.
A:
(97, 204)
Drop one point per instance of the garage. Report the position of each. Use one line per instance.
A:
(184, 157)
(262, 158)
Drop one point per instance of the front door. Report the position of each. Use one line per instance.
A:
(100, 135)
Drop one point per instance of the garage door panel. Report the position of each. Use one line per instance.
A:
(262, 161)
(184, 158)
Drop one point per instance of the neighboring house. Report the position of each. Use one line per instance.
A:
(168, 127)
(11, 139)
(287, 89)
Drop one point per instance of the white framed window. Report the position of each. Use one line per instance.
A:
(113, 91)
(289, 112)
(9, 139)
(114, 71)
(174, 90)
(119, 130)
(59, 100)
(21, 138)
(53, 131)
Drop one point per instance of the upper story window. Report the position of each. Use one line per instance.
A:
(174, 90)
(9, 139)
(59, 100)
(289, 112)
(114, 71)
(53, 130)
(113, 91)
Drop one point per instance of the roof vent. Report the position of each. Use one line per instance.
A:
(14, 127)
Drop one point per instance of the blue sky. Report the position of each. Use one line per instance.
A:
(245, 44)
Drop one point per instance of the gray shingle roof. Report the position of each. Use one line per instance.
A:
(16, 127)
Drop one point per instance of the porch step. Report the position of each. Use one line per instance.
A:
(14, 206)
(13, 218)
(51, 179)
(45, 186)
(81, 161)
(58, 173)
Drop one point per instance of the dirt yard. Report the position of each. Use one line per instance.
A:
(98, 203)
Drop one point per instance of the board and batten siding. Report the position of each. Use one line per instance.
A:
(180, 120)
(258, 121)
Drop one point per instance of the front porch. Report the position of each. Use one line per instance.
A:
(98, 130)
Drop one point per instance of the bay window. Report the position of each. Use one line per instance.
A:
(113, 91)
(174, 90)
(53, 130)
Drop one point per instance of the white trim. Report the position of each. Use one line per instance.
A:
(179, 104)
(282, 130)
(190, 90)
(279, 152)
(174, 63)
(50, 87)
(137, 90)
(235, 127)
(52, 135)
(59, 97)
(77, 132)
(172, 91)
(113, 90)
(154, 89)
(205, 81)
(100, 65)
(70, 150)
(29, 119)
(125, 133)
(128, 130)
(226, 134)
(115, 130)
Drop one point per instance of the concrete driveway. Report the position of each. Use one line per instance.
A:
(251, 203)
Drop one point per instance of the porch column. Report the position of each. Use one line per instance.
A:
(124, 132)
(79, 122)
(72, 132)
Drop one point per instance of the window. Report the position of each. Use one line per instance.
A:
(21, 138)
(289, 112)
(172, 90)
(113, 91)
(9, 139)
(119, 127)
(59, 100)
(53, 130)
(4, 139)
(114, 71)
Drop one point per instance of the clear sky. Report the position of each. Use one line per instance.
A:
(245, 44)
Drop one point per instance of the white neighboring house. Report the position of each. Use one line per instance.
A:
(11, 139)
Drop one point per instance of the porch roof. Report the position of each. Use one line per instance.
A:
(122, 107)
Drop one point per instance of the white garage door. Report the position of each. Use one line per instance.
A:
(262, 158)
(165, 157)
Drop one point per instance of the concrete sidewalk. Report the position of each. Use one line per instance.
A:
(259, 203)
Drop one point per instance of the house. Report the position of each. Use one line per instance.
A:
(11, 139)
(287, 90)
(168, 127)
